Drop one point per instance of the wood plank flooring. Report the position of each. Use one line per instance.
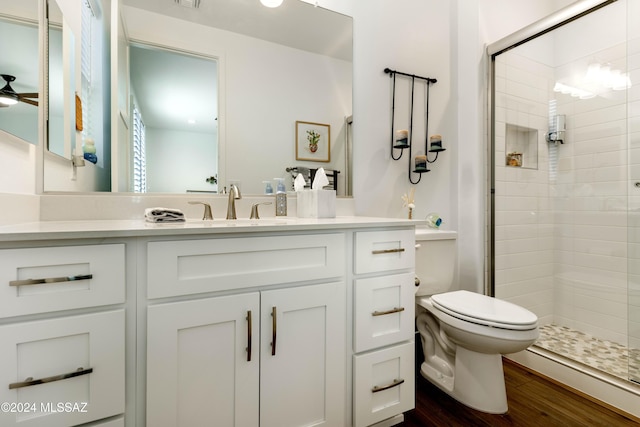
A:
(533, 401)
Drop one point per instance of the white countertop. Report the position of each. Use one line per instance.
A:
(45, 230)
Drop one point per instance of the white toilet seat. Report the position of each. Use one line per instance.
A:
(485, 310)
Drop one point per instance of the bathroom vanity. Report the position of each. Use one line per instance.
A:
(274, 322)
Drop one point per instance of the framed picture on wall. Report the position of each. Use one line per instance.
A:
(313, 141)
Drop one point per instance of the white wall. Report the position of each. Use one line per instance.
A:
(189, 156)
(17, 165)
(410, 36)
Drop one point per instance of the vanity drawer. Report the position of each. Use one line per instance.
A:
(384, 311)
(377, 251)
(383, 384)
(80, 359)
(39, 280)
(186, 267)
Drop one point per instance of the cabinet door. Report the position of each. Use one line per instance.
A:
(302, 377)
(64, 371)
(203, 362)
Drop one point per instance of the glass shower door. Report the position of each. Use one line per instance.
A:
(566, 209)
(633, 53)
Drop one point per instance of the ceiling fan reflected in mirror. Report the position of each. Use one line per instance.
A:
(9, 97)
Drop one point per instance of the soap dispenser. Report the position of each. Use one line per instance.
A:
(281, 198)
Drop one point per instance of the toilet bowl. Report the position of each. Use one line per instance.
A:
(464, 334)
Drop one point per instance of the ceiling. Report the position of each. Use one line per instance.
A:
(295, 24)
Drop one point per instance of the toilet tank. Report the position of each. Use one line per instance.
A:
(435, 260)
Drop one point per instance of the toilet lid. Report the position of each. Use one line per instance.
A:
(485, 310)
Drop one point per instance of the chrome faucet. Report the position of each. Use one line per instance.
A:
(254, 210)
(207, 210)
(234, 193)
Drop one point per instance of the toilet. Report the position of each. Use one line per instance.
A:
(464, 334)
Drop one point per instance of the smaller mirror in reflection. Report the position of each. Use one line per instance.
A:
(175, 121)
(78, 95)
(19, 70)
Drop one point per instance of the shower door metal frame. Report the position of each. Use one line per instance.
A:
(556, 20)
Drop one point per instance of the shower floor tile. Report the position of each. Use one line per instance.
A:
(606, 356)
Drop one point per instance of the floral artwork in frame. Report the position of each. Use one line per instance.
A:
(313, 141)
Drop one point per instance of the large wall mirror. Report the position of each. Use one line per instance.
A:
(267, 69)
(19, 69)
(274, 67)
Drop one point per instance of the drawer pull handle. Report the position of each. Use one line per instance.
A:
(387, 251)
(249, 336)
(30, 381)
(274, 331)
(393, 310)
(395, 383)
(26, 282)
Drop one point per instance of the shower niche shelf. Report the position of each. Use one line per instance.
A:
(521, 147)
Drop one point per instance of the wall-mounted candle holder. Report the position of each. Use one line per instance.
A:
(401, 139)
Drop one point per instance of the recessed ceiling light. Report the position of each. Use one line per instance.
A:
(271, 3)
(191, 121)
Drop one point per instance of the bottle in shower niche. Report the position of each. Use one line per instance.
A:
(281, 198)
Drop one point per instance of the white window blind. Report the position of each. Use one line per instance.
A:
(139, 154)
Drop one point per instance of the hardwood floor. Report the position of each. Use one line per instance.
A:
(533, 401)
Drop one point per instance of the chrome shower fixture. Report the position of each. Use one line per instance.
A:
(557, 128)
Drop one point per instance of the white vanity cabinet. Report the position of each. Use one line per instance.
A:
(271, 353)
(222, 323)
(62, 350)
(383, 322)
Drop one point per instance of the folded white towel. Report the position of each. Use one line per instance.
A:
(163, 215)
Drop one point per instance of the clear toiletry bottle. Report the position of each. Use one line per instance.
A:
(281, 198)
(268, 189)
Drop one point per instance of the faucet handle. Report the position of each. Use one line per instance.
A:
(207, 209)
(254, 210)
